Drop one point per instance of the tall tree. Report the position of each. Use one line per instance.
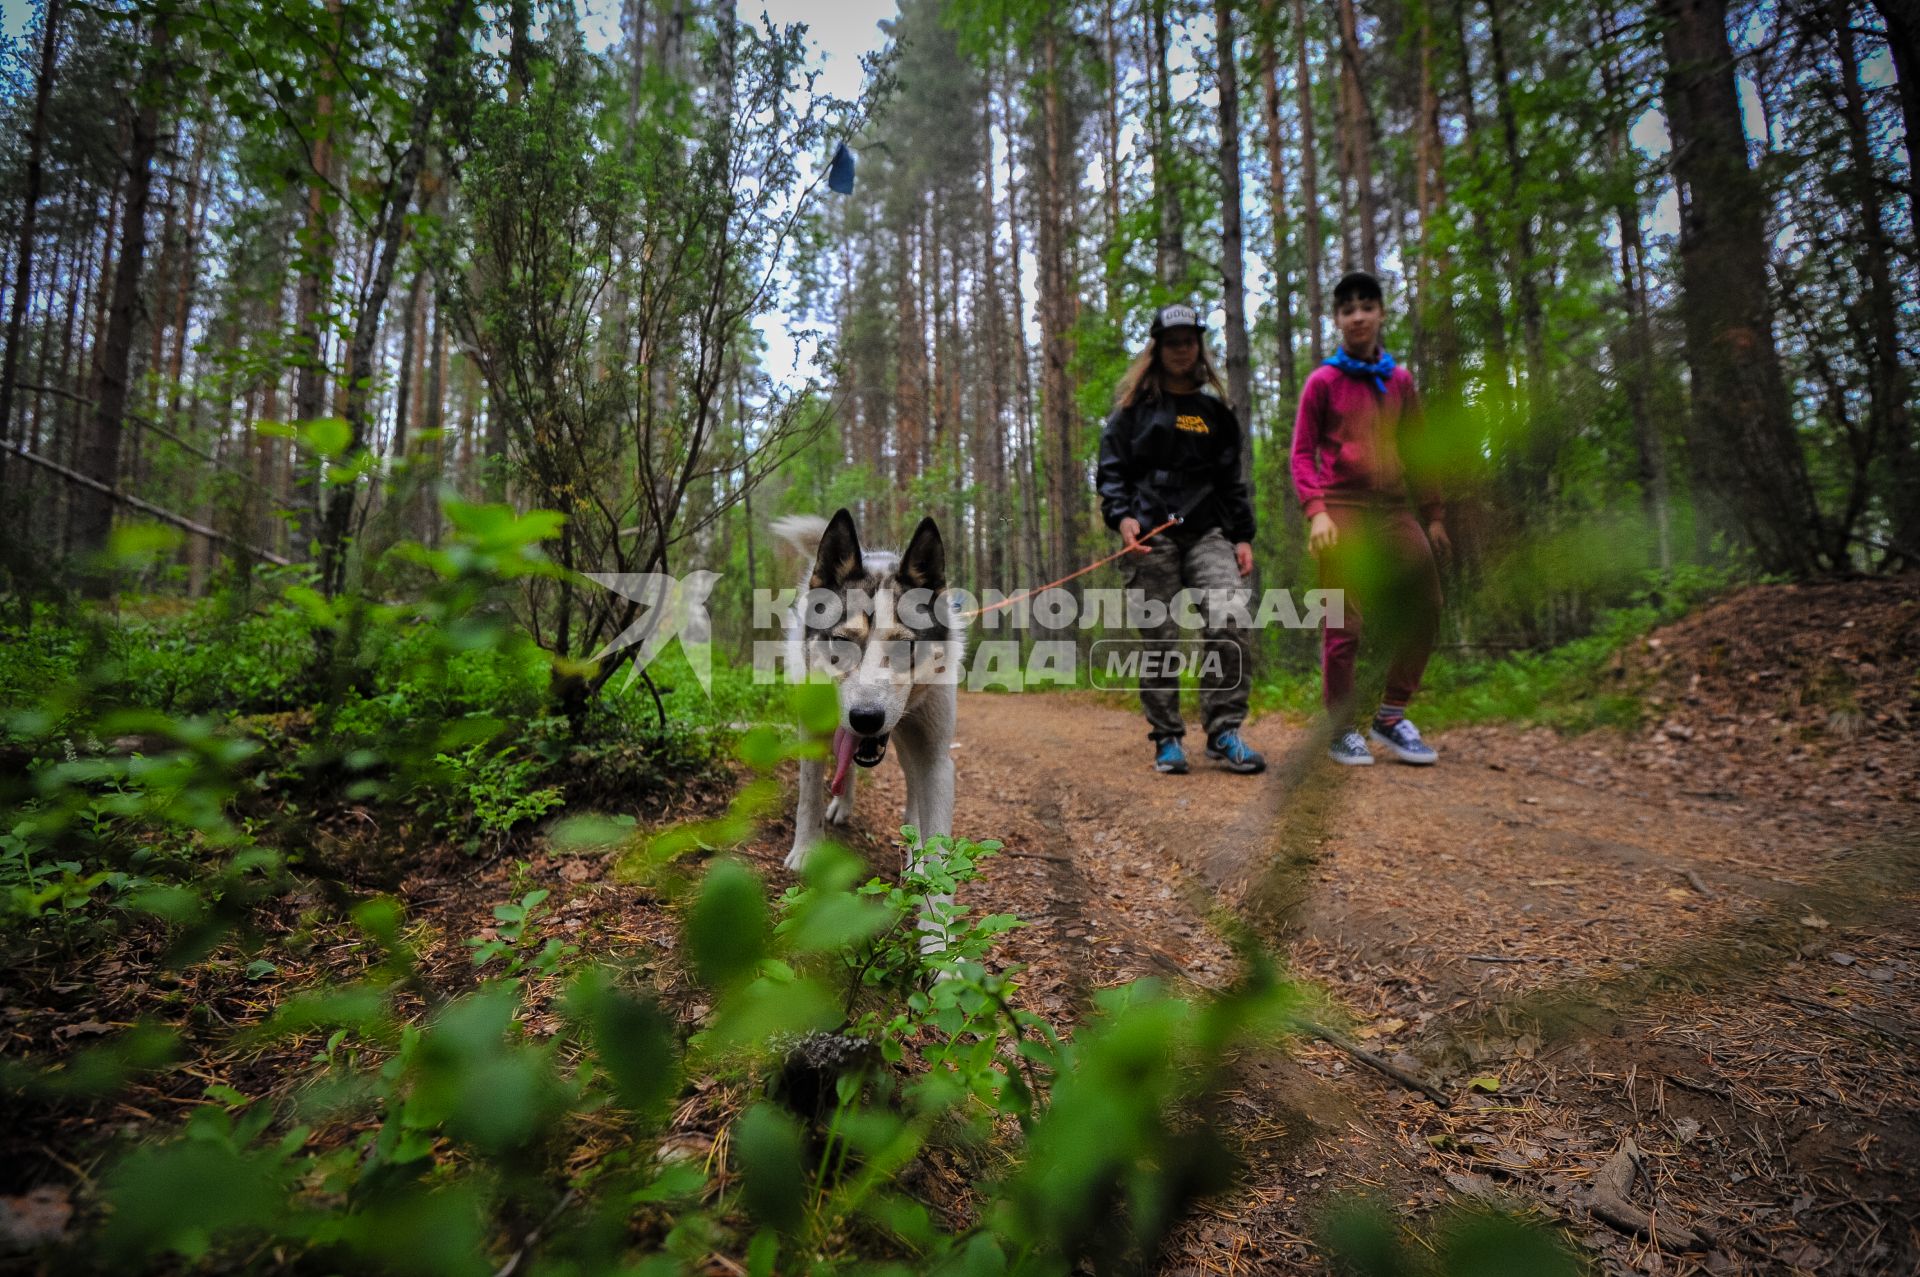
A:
(1752, 476)
(1309, 182)
(1541, 445)
(1637, 374)
(1890, 402)
(317, 247)
(113, 354)
(1356, 137)
(29, 217)
(384, 249)
(1232, 252)
(1059, 185)
(1903, 39)
(1277, 203)
(1170, 256)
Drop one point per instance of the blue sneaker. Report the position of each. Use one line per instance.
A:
(1235, 753)
(1169, 757)
(1403, 738)
(1349, 750)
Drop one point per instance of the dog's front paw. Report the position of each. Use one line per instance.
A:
(840, 809)
(797, 858)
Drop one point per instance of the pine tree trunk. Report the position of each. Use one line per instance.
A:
(1636, 372)
(114, 354)
(1436, 342)
(1903, 37)
(1358, 140)
(1542, 444)
(317, 247)
(409, 344)
(1889, 386)
(909, 413)
(1232, 256)
(1110, 136)
(1030, 469)
(1754, 479)
(1170, 254)
(29, 217)
(1067, 484)
(993, 318)
(1277, 210)
(1498, 374)
(199, 195)
(385, 247)
(431, 450)
(1309, 183)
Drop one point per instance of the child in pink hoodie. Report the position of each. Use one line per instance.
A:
(1359, 418)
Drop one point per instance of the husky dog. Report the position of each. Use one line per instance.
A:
(876, 623)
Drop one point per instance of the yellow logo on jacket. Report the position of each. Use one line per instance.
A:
(1192, 425)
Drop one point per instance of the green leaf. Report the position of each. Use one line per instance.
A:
(325, 436)
(380, 918)
(182, 1197)
(817, 705)
(1486, 1084)
(410, 1230)
(762, 1253)
(591, 832)
(638, 1043)
(356, 1006)
(761, 748)
(770, 1146)
(489, 1092)
(727, 929)
(134, 545)
(676, 1181)
(821, 923)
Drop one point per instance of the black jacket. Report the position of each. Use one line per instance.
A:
(1159, 455)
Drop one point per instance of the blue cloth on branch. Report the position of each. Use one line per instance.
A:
(840, 172)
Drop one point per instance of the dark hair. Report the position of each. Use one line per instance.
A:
(1357, 286)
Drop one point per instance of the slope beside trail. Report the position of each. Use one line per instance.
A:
(1702, 936)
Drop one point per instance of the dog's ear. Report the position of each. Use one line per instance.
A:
(924, 565)
(839, 558)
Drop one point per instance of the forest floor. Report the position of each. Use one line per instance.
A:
(1703, 936)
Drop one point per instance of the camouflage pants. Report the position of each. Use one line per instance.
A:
(1204, 565)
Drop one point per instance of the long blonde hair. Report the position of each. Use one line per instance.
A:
(1145, 378)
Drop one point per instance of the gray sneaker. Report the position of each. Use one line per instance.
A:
(1348, 749)
(1403, 738)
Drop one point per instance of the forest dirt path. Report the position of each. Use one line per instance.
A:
(1607, 947)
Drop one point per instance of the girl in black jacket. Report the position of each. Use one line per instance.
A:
(1172, 449)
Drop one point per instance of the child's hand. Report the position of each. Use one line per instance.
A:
(1243, 557)
(1130, 535)
(1442, 544)
(1322, 535)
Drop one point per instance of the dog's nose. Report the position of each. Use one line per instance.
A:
(867, 722)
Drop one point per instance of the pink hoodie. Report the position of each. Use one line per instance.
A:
(1347, 443)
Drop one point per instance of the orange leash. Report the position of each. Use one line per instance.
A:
(1097, 563)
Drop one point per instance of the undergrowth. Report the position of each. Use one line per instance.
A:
(1573, 687)
(443, 1127)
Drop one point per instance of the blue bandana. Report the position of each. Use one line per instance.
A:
(1380, 369)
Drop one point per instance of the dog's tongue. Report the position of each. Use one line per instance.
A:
(843, 743)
